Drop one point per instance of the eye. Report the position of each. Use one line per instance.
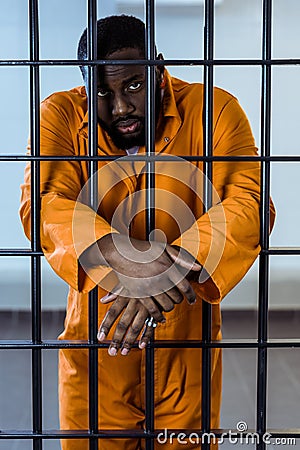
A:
(134, 86)
(102, 92)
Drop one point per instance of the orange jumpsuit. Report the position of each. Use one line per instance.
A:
(225, 241)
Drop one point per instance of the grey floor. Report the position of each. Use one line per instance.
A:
(239, 377)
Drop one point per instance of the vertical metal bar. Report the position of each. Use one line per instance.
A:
(264, 222)
(150, 198)
(150, 117)
(207, 169)
(35, 223)
(93, 166)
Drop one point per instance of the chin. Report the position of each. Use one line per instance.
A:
(128, 141)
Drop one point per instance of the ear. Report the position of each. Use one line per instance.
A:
(160, 70)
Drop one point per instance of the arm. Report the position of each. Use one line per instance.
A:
(61, 182)
(225, 240)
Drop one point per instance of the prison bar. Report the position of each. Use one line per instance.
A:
(207, 124)
(35, 225)
(150, 203)
(50, 344)
(145, 62)
(263, 287)
(271, 158)
(93, 193)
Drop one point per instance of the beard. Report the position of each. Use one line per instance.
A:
(129, 140)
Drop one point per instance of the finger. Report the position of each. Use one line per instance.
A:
(193, 275)
(146, 336)
(123, 325)
(110, 296)
(183, 258)
(152, 309)
(134, 331)
(183, 285)
(110, 317)
(166, 303)
(175, 295)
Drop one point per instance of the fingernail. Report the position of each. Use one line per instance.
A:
(106, 297)
(124, 351)
(101, 336)
(112, 351)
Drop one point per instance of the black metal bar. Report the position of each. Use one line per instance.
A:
(153, 62)
(93, 187)
(281, 251)
(150, 119)
(28, 252)
(35, 224)
(150, 200)
(271, 158)
(125, 434)
(264, 225)
(19, 252)
(224, 343)
(207, 171)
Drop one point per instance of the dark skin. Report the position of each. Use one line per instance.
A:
(151, 280)
(121, 99)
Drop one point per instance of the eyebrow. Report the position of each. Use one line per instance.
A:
(134, 78)
(127, 81)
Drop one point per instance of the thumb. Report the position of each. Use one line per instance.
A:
(183, 258)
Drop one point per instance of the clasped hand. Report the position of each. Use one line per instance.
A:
(152, 280)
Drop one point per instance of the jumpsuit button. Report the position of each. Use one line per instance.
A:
(166, 139)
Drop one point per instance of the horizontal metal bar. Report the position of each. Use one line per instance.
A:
(282, 251)
(75, 434)
(153, 158)
(155, 62)
(29, 252)
(121, 434)
(19, 252)
(224, 343)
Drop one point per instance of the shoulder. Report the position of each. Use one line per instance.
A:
(66, 103)
(192, 94)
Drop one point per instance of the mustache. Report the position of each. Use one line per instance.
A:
(125, 118)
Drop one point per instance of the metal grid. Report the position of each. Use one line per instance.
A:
(37, 434)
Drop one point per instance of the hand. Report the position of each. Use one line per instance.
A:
(132, 319)
(132, 315)
(138, 309)
(149, 269)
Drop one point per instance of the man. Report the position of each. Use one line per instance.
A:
(203, 257)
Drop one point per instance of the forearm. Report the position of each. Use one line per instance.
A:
(114, 250)
(94, 255)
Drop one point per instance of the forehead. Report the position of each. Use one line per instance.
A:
(112, 73)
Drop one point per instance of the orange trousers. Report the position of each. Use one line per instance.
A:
(122, 388)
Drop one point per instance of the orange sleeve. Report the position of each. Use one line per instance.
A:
(225, 240)
(61, 183)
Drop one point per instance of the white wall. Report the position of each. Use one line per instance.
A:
(179, 31)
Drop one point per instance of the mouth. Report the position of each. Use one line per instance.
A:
(129, 126)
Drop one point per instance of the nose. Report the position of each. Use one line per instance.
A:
(121, 106)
